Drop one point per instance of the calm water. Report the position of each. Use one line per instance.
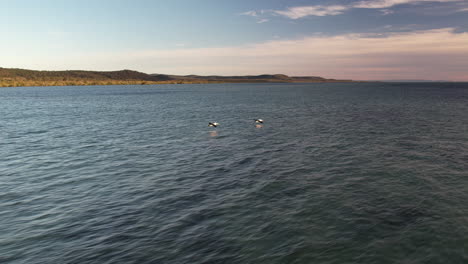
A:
(339, 173)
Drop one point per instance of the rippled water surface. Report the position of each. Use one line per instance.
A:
(338, 173)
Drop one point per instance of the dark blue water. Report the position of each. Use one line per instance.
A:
(339, 173)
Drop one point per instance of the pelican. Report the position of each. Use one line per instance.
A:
(213, 124)
(258, 121)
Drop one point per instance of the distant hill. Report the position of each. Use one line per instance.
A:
(21, 77)
(415, 81)
(252, 78)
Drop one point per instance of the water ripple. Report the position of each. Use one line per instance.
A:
(339, 173)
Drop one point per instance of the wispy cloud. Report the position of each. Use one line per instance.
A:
(250, 13)
(257, 15)
(333, 10)
(319, 10)
(386, 12)
(391, 3)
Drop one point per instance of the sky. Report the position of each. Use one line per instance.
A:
(344, 39)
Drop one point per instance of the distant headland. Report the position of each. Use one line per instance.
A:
(21, 77)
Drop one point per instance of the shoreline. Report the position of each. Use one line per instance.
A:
(33, 78)
(140, 83)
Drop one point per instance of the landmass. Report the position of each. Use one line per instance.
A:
(22, 77)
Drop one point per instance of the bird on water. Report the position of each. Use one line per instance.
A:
(213, 124)
(258, 121)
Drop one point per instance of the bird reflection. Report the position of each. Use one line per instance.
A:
(213, 133)
(258, 126)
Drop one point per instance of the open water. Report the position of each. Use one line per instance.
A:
(338, 173)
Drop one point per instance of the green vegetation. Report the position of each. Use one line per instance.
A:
(20, 77)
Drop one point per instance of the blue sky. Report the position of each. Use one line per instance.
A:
(368, 39)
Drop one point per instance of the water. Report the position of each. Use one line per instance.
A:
(339, 173)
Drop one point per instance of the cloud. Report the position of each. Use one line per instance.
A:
(250, 13)
(433, 54)
(386, 12)
(333, 10)
(303, 11)
(391, 3)
(256, 14)
(463, 10)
